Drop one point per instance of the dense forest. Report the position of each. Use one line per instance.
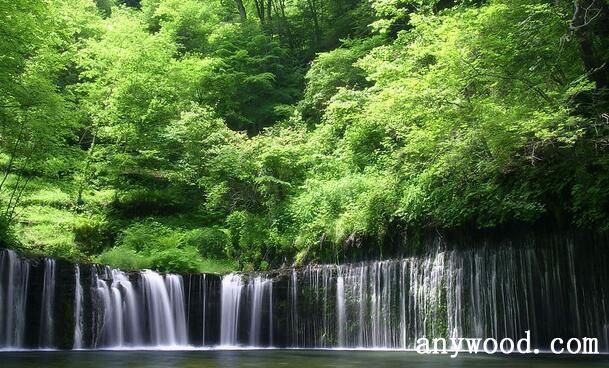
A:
(214, 135)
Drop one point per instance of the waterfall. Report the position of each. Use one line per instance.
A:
(257, 287)
(155, 315)
(48, 303)
(78, 317)
(232, 286)
(293, 300)
(270, 291)
(107, 315)
(175, 290)
(482, 292)
(559, 288)
(125, 294)
(254, 295)
(255, 290)
(164, 303)
(118, 310)
(14, 284)
(203, 293)
(340, 309)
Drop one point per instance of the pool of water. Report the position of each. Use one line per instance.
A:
(284, 358)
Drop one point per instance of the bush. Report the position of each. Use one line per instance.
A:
(153, 245)
(144, 235)
(329, 212)
(7, 237)
(186, 259)
(250, 238)
(92, 234)
(210, 241)
(124, 258)
(218, 266)
(62, 249)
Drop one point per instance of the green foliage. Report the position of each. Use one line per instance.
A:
(200, 135)
(92, 234)
(53, 197)
(333, 70)
(185, 259)
(216, 266)
(151, 201)
(257, 77)
(249, 237)
(124, 258)
(154, 245)
(7, 237)
(146, 235)
(471, 110)
(211, 242)
(330, 212)
(190, 21)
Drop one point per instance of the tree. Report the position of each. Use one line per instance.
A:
(590, 23)
(241, 9)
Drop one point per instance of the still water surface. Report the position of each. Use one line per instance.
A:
(282, 359)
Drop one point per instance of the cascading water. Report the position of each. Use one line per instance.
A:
(485, 291)
(175, 290)
(155, 315)
(340, 309)
(118, 310)
(150, 310)
(14, 284)
(166, 320)
(47, 317)
(232, 286)
(293, 301)
(270, 312)
(204, 305)
(78, 317)
(482, 292)
(255, 296)
(257, 289)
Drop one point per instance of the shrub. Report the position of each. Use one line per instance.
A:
(62, 249)
(144, 235)
(250, 238)
(218, 266)
(210, 241)
(7, 237)
(92, 234)
(124, 258)
(153, 245)
(186, 259)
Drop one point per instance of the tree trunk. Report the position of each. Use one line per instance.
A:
(260, 10)
(316, 24)
(241, 8)
(269, 7)
(282, 23)
(590, 24)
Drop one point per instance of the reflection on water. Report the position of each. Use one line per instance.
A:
(283, 358)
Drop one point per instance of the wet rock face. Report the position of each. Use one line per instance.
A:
(556, 286)
(203, 308)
